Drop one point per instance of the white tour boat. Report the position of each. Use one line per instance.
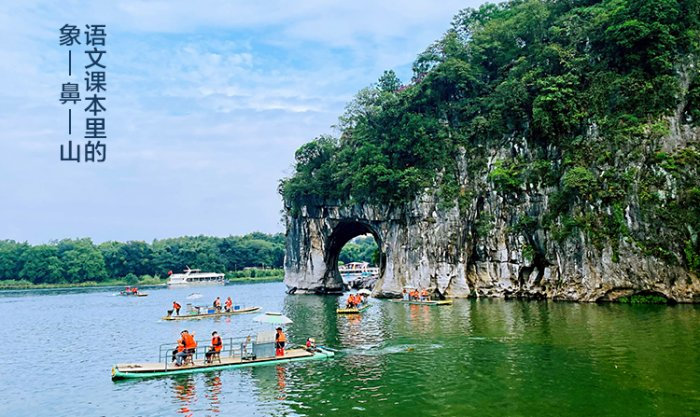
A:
(193, 277)
(355, 270)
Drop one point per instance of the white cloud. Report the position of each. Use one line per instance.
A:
(207, 102)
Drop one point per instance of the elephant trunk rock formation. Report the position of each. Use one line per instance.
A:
(478, 248)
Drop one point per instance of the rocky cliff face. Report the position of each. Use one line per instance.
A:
(487, 243)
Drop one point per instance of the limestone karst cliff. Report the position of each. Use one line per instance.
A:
(542, 149)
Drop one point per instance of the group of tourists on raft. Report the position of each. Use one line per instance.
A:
(415, 295)
(228, 305)
(187, 346)
(355, 300)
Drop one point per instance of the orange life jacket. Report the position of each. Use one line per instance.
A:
(176, 306)
(424, 293)
(180, 345)
(281, 337)
(217, 344)
(229, 302)
(190, 343)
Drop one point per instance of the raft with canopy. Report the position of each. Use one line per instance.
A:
(233, 360)
(236, 353)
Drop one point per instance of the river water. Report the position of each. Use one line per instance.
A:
(477, 357)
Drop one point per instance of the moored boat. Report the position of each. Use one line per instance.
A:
(194, 314)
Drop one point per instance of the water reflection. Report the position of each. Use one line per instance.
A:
(213, 385)
(476, 357)
(184, 394)
(281, 381)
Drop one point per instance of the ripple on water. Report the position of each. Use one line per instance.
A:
(485, 357)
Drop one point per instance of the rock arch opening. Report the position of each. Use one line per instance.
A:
(343, 233)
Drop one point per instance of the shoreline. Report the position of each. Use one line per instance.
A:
(122, 283)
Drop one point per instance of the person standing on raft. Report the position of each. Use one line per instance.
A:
(280, 338)
(176, 307)
(216, 346)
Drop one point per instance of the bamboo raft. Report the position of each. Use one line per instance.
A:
(208, 315)
(354, 310)
(426, 303)
(138, 294)
(149, 370)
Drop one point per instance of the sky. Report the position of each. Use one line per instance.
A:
(206, 103)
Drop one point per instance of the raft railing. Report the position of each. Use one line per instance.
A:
(231, 345)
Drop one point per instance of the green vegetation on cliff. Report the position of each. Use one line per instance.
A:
(567, 98)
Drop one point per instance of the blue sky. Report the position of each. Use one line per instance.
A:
(206, 104)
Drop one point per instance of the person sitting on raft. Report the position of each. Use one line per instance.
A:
(310, 344)
(280, 339)
(424, 295)
(217, 304)
(228, 304)
(216, 346)
(351, 301)
(190, 347)
(180, 347)
(176, 307)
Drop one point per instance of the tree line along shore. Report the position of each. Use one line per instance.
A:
(254, 257)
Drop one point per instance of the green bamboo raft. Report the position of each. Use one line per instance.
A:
(192, 316)
(354, 310)
(150, 370)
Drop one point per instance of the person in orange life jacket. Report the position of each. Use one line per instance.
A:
(228, 304)
(216, 346)
(217, 304)
(180, 348)
(350, 302)
(280, 339)
(176, 307)
(190, 347)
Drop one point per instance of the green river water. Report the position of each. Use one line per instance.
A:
(474, 358)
